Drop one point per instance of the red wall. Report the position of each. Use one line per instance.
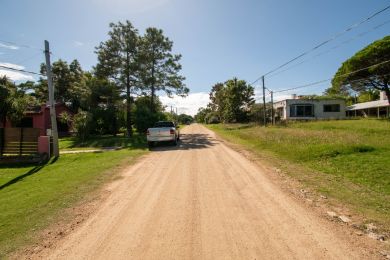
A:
(41, 119)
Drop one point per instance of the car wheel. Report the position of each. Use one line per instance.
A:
(150, 145)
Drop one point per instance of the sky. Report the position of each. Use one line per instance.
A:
(218, 39)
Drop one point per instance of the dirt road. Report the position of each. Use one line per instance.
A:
(201, 200)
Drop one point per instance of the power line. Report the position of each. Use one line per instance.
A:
(20, 45)
(331, 49)
(21, 70)
(325, 80)
(337, 35)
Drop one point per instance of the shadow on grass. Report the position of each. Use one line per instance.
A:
(21, 177)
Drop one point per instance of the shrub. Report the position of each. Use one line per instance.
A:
(82, 124)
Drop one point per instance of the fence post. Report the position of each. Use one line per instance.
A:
(2, 142)
(21, 142)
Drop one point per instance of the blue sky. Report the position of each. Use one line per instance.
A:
(218, 39)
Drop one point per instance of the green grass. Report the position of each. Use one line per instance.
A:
(32, 197)
(346, 159)
(71, 143)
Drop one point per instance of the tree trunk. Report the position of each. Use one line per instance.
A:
(152, 88)
(129, 129)
(115, 123)
(152, 108)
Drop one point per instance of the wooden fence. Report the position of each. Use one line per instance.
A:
(18, 141)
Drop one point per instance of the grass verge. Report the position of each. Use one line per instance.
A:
(347, 160)
(72, 143)
(32, 197)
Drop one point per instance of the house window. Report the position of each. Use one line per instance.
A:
(302, 110)
(332, 108)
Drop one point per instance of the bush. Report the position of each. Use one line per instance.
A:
(105, 120)
(144, 118)
(82, 124)
(212, 118)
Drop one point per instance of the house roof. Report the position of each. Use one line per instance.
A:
(33, 110)
(371, 104)
(39, 109)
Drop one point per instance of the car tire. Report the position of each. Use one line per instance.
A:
(150, 145)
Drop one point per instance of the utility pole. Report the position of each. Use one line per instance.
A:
(53, 117)
(272, 108)
(264, 107)
(177, 117)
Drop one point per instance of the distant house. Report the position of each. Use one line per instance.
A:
(39, 117)
(379, 108)
(301, 108)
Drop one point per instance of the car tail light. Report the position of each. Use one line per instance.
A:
(172, 132)
(147, 132)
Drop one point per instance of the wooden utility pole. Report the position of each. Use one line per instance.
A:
(272, 108)
(264, 107)
(53, 117)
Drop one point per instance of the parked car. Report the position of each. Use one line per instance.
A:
(163, 131)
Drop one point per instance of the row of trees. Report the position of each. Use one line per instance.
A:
(139, 65)
(120, 91)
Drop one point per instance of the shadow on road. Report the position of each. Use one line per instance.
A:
(187, 142)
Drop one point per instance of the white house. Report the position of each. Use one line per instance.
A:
(379, 108)
(301, 108)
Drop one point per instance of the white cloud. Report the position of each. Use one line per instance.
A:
(14, 75)
(188, 105)
(8, 46)
(78, 43)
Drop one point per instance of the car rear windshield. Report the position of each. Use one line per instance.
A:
(164, 124)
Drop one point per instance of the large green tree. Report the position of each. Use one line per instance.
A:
(376, 77)
(103, 103)
(239, 98)
(118, 61)
(230, 102)
(69, 84)
(159, 67)
(217, 100)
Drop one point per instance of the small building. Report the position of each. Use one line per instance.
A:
(302, 108)
(379, 108)
(39, 117)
